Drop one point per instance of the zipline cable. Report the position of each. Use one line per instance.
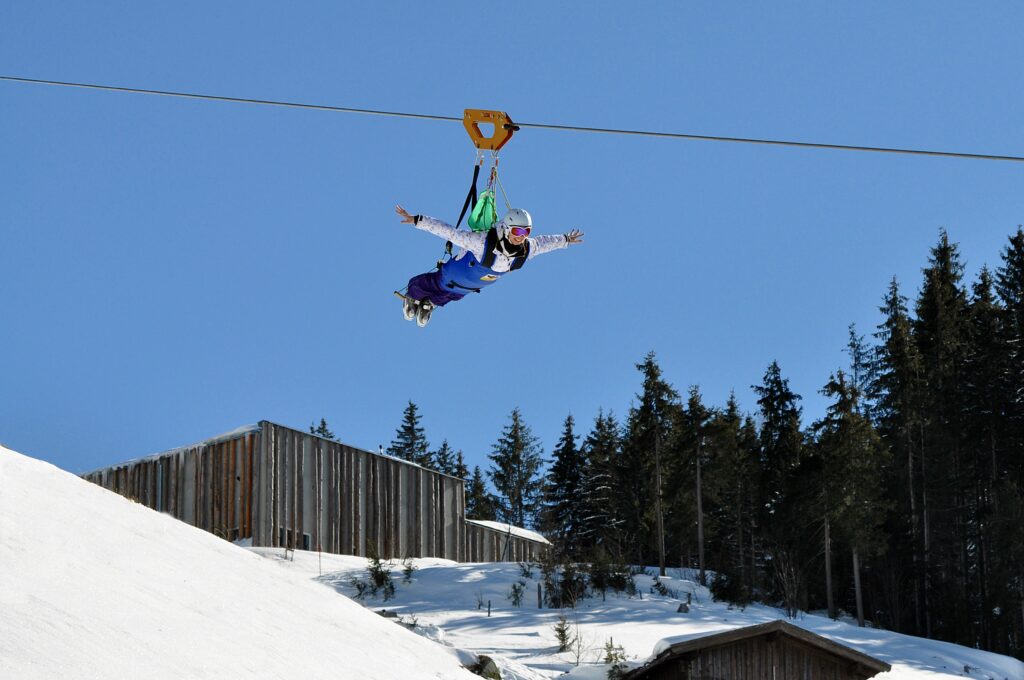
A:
(540, 126)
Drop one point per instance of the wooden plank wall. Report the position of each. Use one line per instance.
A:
(286, 488)
(209, 486)
(758, 657)
(320, 494)
(484, 544)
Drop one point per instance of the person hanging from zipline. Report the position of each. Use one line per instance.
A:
(485, 257)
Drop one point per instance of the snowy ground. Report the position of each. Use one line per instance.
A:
(95, 586)
(442, 598)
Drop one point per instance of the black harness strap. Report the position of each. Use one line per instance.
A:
(453, 285)
(470, 203)
(470, 197)
(489, 255)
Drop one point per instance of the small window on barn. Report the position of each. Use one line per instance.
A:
(306, 540)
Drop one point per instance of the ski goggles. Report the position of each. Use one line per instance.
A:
(520, 231)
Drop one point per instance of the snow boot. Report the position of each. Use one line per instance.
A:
(423, 314)
(409, 307)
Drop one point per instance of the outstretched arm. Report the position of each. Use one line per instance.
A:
(546, 243)
(469, 240)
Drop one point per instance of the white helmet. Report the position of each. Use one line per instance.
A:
(516, 217)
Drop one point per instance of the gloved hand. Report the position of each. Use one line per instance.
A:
(574, 236)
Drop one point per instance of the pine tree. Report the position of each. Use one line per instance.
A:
(694, 457)
(853, 459)
(444, 459)
(783, 518)
(515, 473)
(1009, 283)
(781, 438)
(459, 469)
(731, 497)
(1006, 574)
(410, 442)
(601, 520)
(941, 332)
(563, 508)
(322, 430)
(897, 392)
(648, 429)
(987, 436)
(480, 504)
(861, 368)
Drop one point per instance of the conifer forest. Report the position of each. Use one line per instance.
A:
(902, 506)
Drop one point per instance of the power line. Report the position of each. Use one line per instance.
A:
(542, 126)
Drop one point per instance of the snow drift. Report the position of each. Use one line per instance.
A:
(93, 585)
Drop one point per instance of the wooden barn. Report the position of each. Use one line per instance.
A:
(777, 650)
(497, 542)
(280, 487)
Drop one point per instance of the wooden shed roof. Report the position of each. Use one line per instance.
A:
(772, 629)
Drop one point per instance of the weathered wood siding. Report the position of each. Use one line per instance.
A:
(286, 488)
(773, 657)
(484, 544)
(209, 486)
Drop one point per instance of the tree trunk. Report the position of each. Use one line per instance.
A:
(739, 535)
(856, 588)
(915, 574)
(700, 520)
(927, 541)
(657, 496)
(828, 571)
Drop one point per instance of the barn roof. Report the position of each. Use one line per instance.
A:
(503, 528)
(670, 650)
(246, 429)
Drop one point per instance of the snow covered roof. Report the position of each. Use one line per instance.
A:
(226, 436)
(246, 429)
(503, 528)
(674, 647)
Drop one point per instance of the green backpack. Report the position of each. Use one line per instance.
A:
(484, 214)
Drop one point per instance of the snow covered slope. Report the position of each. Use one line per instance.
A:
(95, 586)
(443, 597)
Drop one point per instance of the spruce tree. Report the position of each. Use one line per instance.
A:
(1005, 570)
(941, 331)
(987, 439)
(783, 518)
(693, 455)
(480, 504)
(648, 430)
(861, 368)
(459, 469)
(601, 495)
(410, 442)
(853, 459)
(897, 392)
(1009, 283)
(515, 472)
(562, 517)
(322, 430)
(781, 438)
(444, 459)
(730, 488)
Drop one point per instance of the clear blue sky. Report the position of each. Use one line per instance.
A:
(172, 269)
